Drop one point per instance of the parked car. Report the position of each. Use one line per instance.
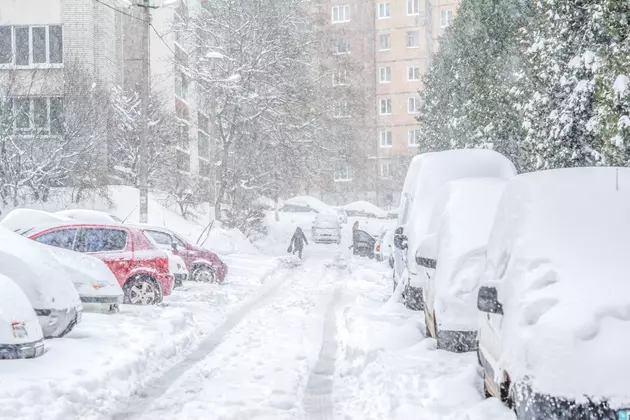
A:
(304, 204)
(142, 270)
(553, 337)
(384, 248)
(202, 264)
(364, 209)
(364, 244)
(97, 286)
(453, 258)
(46, 284)
(21, 335)
(426, 175)
(326, 229)
(89, 216)
(177, 265)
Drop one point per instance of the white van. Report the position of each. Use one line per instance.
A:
(426, 176)
(554, 301)
(453, 258)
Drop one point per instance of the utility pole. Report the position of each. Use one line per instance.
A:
(143, 164)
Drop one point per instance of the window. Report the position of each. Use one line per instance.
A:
(413, 73)
(343, 173)
(37, 115)
(182, 160)
(203, 144)
(387, 169)
(446, 18)
(61, 238)
(180, 243)
(340, 78)
(341, 14)
(341, 110)
(414, 105)
(101, 240)
(385, 42)
(413, 7)
(160, 238)
(383, 10)
(31, 45)
(414, 137)
(385, 74)
(385, 138)
(386, 106)
(181, 85)
(204, 168)
(342, 46)
(413, 39)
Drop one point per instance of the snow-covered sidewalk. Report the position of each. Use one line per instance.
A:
(106, 359)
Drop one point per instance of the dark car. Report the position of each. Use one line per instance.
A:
(363, 244)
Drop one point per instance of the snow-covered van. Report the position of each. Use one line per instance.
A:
(20, 333)
(453, 259)
(426, 176)
(46, 284)
(555, 296)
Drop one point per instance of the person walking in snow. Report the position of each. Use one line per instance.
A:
(297, 242)
(355, 237)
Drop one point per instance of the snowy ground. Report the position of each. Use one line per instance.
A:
(283, 339)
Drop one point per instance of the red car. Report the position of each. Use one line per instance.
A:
(142, 270)
(203, 265)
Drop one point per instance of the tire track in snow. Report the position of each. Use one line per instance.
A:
(155, 389)
(317, 401)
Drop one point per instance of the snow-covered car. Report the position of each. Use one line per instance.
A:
(202, 264)
(326, 228)
(177, 265)
(384, 248)
(44, 281)
(555, 312)
(453, 258)
(96, 284)
(304, 204)
(364, 209)
(427, 173)
(20, 219)
(89, 216)
(21, 335)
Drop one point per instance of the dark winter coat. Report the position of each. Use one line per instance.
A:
(299, 239)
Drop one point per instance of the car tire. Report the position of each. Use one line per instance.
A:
(203, 274)
(142, 290)
(413, 298)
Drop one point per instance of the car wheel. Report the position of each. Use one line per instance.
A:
(142, 290)
(204, 274)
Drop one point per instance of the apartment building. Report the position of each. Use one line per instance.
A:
(396, 40)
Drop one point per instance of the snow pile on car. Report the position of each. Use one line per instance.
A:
(364, 208)
(462, 220)
(560, 247)
(306, 201)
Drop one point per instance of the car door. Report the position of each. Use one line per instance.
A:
(109, 245)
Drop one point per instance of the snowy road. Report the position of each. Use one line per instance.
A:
(284, 339)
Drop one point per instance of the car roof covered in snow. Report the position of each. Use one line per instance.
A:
(365, 207)
(559, 249)
(89, 216)
(36, 271)
(462, 219)
(20, 219)
(307, 202)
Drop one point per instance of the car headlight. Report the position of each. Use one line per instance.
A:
(19, 330)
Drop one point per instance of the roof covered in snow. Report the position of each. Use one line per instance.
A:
(559, 247)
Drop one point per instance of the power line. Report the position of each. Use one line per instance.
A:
(162, 39)
(121, 11)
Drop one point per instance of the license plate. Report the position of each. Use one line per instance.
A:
(39, 350)
(623, 414)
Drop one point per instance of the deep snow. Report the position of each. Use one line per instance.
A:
(282, 339)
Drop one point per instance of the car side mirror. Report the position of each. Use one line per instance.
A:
(488, 300)
(426, 254)
(174, 246)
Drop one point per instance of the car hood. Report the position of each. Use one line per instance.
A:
(90, 276)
